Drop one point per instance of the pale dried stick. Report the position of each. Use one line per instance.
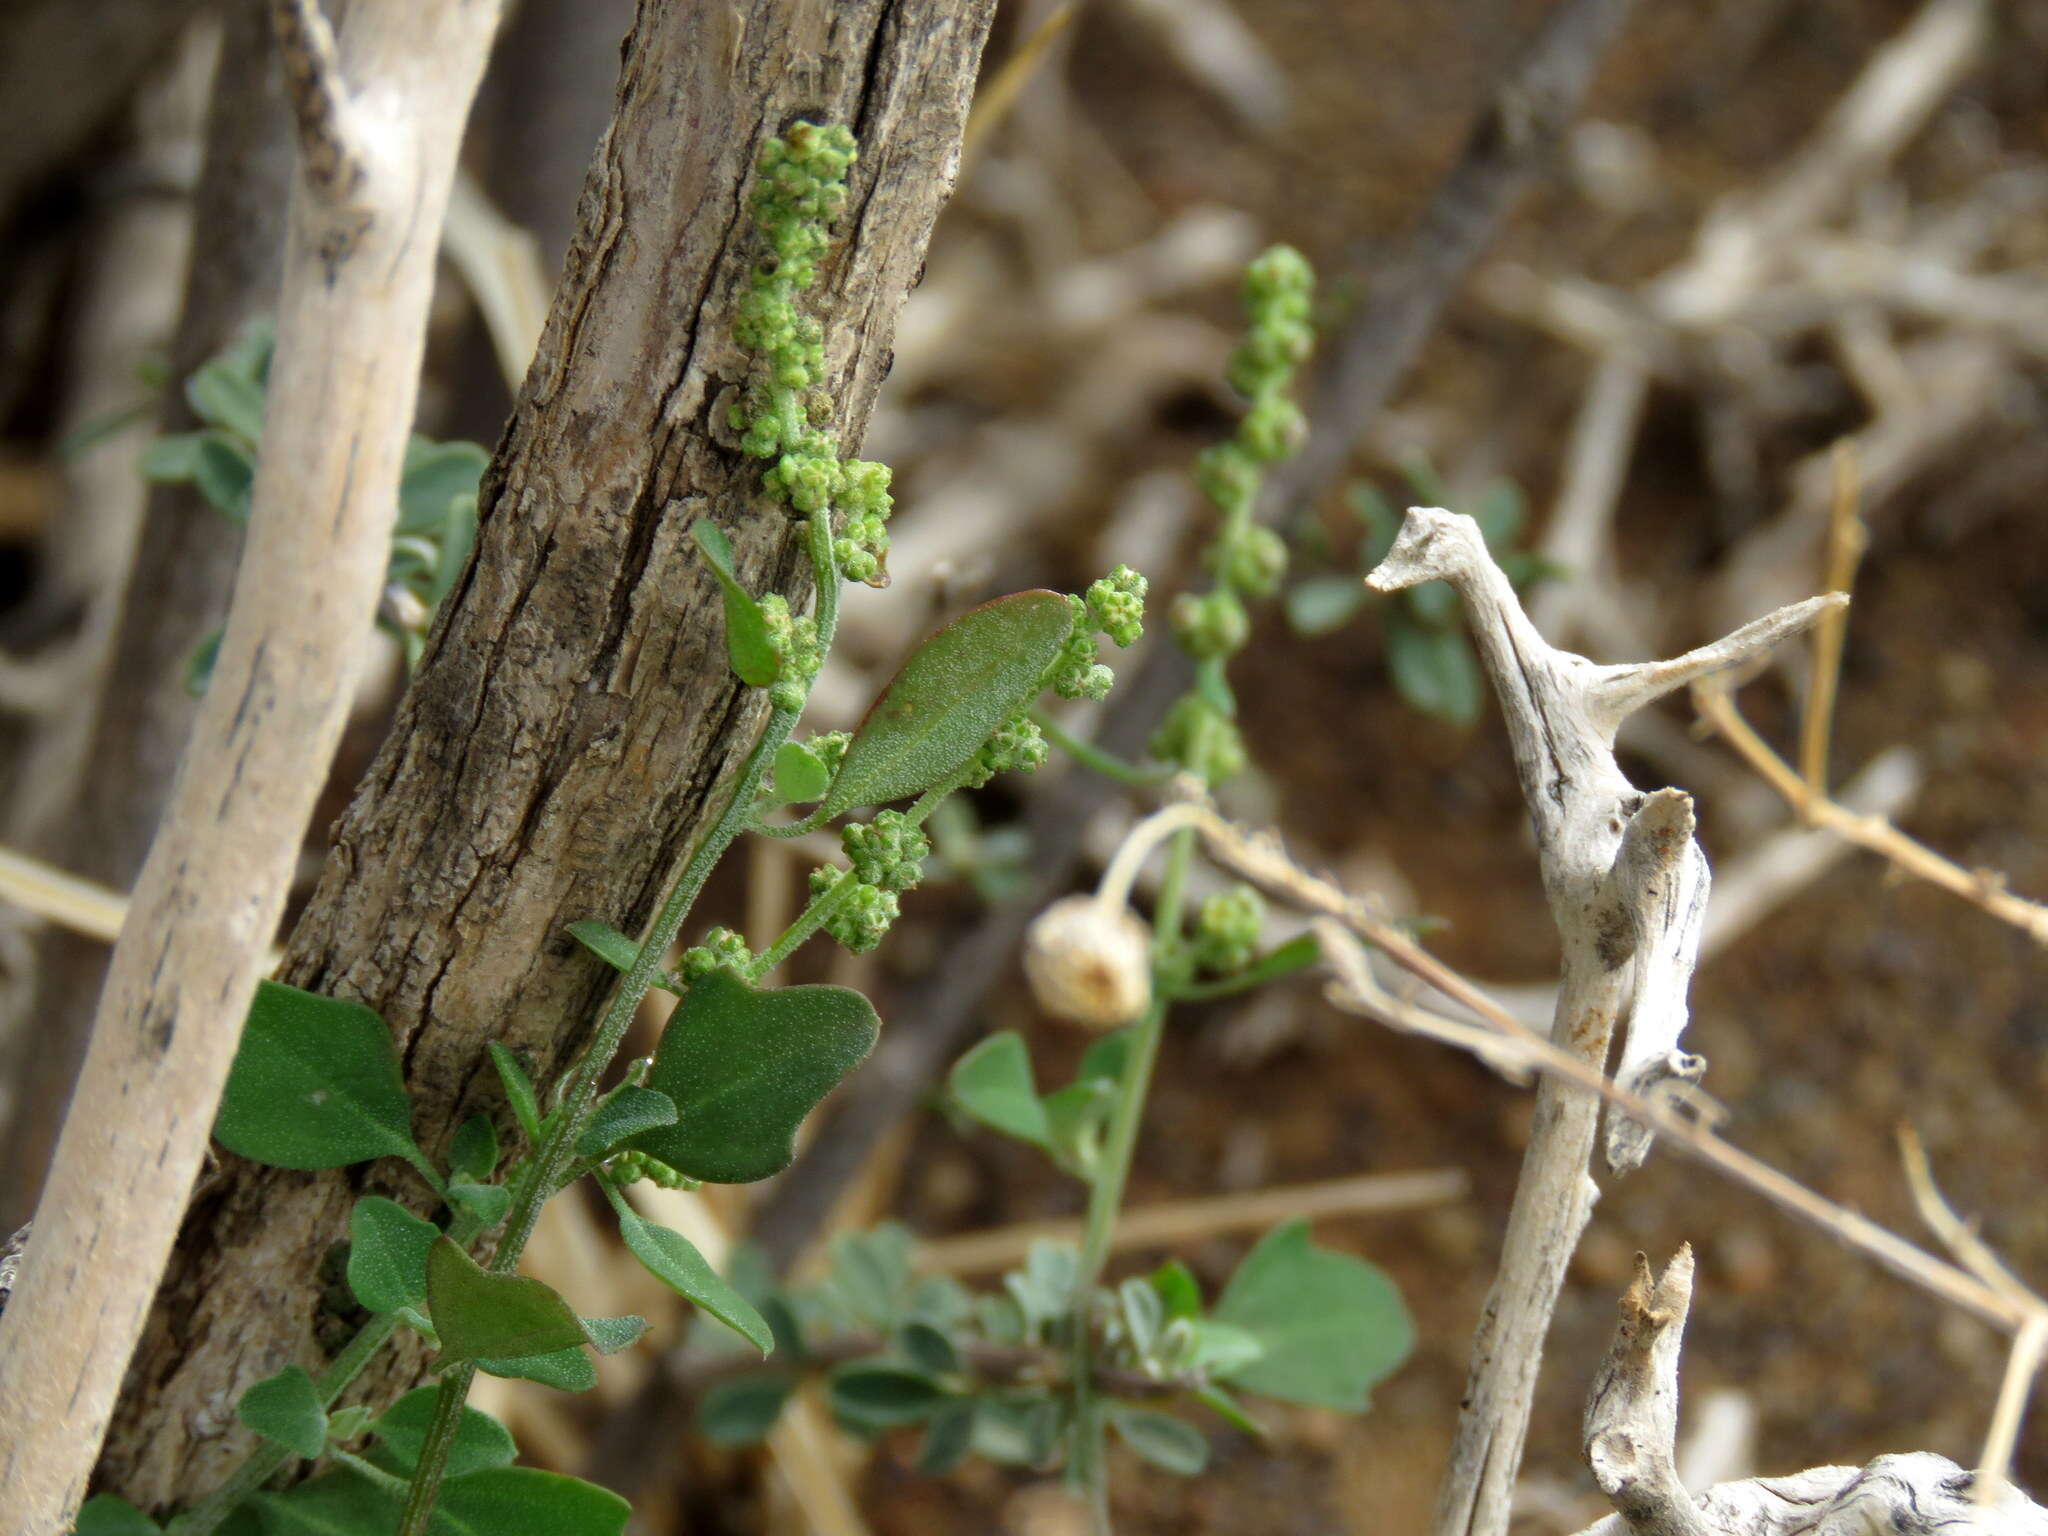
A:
(1983, 888)
(1175, 1221)
(1259, 858)
(1846, 541)
(380, 115)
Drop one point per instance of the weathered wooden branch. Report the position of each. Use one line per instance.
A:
(102, 820)
(575, 718)
(1631, 1445)
(358, 276)
(1626, 885)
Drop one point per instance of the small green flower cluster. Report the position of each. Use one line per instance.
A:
(829, 748)
(797, 652)
(1016, 746)
(888, 852)
(1246, 559)
(721, 947)
(801, 186)
(1227, 930)
(630, 1167)
(863, 918)
(1114, 606)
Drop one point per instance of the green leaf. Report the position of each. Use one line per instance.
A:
(501, 1501)
(474, 1153)
(1228, 1409)
(953, 691)
(435, 475)
(222, 395)
(172, 459)
(387, 1254)
(1222, 1349)
(871, 1272)
(1434, 602)
(1318, 605)
(200, 664)
(1143, 1312)
(488, 1203)
(480, 1440)
(745, 1067)
(993, 1083)
(609, 1335)
(458, 537)
(626, 1113)
(947, 1439)
(1329, 1326)
(565, 1370)
(1179, 1292)
(1434, 670)
(742, 1410)
(315, 1084)
(1103, 1062)
(286, 1408)
(616, 950)
(674, 1260)
(1017, 1430)
(1499, 509)
(1161, 1439)
(518, 1090)
(481, 1315)
(225, 474)
(882, 1396)
(106, 1515)
(799, 776)
(746, 630)
(929, 1350)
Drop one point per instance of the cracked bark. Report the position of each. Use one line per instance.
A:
(574, 720)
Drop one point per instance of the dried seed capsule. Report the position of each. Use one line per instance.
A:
(1089, 962)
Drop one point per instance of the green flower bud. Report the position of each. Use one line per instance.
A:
(1116, 605)
(1273, 428)
(721, 947)
(1210, 624)
(1250, 558)
(1227, 930)
(864, 914)
(887, 852)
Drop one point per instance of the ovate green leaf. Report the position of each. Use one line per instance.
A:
(880, 1396)
(1329, 1326)
(315, 1084)
(286, 1408)
(1317, 605)
(518, 1090)
(744, 1066)
(387, 1254)
(1434, 670)
(799, 777)
(480, 1315)
(1161, 1439)
(954, 690)
(435, 474)
(474, 1154)
(993, 1083)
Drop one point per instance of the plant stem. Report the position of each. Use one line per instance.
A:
(1097, 759)
(1113, 1167)
(543, 1174)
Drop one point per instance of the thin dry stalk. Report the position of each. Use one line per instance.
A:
(1984, 888)
(1179, 1221)
(380, 117)
(1846, 541)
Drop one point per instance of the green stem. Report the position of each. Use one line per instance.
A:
(825, 903)
(557, 1153)
(803, 828)
(1097, 759)
(1113, 1169)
